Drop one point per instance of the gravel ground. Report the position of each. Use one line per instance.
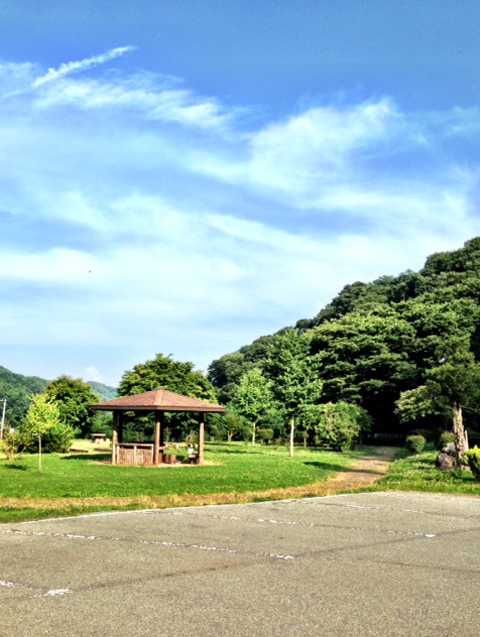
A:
(366, 564)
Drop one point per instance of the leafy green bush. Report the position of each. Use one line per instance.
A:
(430, 435)
(102, 424)
(473, 458)
(415, 444)
(58, 439)
(337, 425)
(236, 426)
(444, 439)
(265, 434)
(11, 444)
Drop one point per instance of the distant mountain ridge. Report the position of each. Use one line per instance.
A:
(17, 389)
(105, 392)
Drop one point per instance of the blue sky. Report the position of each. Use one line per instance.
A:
(183, 177)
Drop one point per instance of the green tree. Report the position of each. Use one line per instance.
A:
(225, 373)
(454, 382)
(451, 385)
(376, 340)
(364, 358)
(253, 398)
(236, 425)
(294, 376)
(338, 425)
(415, 405)
(73, 398)
(42, 416)
(163, 371)
(180, 377)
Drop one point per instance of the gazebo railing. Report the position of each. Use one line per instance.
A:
(133, 453)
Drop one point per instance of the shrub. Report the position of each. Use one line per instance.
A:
(58, 439)
(337, 425)
(11, 444)
(415, 444)
(265, 434)
(444, 438)
(236, 426)
(472, 456)
(130, 434)
(102, 424)
(430, 435)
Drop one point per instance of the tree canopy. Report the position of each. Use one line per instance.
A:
(73, 398)
(163, 371)
(253, 398)
(43, 415)
(180, 377)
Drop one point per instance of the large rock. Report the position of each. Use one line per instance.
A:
(450, 449)
(446, 462)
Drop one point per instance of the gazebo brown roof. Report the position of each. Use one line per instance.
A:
(158, 400)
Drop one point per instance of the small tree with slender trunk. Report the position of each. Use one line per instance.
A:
(294, 377)
(42, 415)
(253, 397)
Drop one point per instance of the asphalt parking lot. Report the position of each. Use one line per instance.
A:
(365, 564)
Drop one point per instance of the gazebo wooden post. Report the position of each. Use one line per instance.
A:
(114, 437)
(157, 437)
(120, 426)
(201, 439)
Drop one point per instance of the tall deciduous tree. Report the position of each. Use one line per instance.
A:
(455, 381)
(73, 398)
(163, 371)
(253, 398)
(365, 359)
(294, 376)
(180, 377)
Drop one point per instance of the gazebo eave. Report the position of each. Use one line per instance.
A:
(152, 408)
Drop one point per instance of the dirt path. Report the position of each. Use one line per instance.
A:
(364, 472)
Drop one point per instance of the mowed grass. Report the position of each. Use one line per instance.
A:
(232, 467)
(418, 473)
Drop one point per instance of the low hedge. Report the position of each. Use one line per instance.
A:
(415, 443)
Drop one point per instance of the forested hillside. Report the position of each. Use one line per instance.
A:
(375, 341)
(18, 389)
(105, 392)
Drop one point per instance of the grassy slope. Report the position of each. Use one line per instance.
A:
(237, 468)
(418, 473)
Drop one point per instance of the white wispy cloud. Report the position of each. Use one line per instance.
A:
(67, 68)
(156, 98)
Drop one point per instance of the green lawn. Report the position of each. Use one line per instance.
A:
(237, 468)
(418, 473)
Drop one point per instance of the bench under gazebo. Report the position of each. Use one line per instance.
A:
(158, 401)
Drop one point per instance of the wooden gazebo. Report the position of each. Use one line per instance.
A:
(157, 401)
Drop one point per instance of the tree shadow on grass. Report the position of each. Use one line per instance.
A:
(325, 466)
(16, 467)
(96, 457)
(321, 465)
(239, 451)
